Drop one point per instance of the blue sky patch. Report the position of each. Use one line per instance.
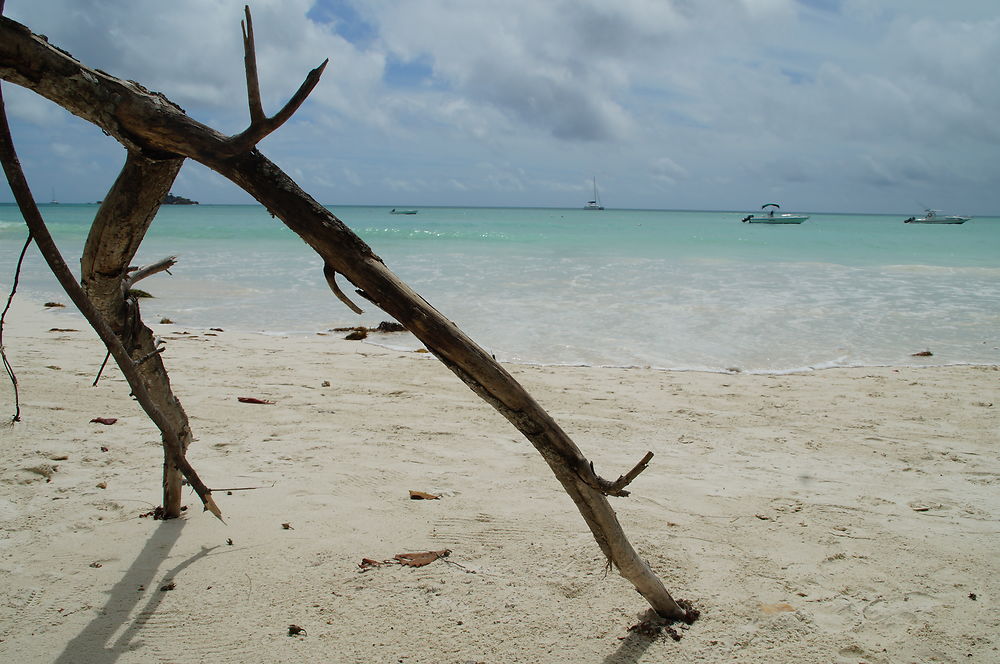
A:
(408, 73)
(345, 20)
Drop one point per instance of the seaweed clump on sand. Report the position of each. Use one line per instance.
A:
(654, 625)
(361, 332)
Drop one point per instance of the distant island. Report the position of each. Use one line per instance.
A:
(170, 199)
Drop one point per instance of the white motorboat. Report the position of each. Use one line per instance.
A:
(771, 218)
(935, 217)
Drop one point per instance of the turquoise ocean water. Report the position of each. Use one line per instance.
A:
(667, 289)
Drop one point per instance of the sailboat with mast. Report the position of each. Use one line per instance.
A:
(594, 204)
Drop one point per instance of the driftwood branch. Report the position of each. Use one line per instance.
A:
(49, 250)
(162, 265)
(149, 356)
(617, 488)
(331, 280)
(260, 124)
(16, 417)
(250, 65)
(118, 229)
(151, 123)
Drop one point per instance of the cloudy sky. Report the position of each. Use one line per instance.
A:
(822, 105)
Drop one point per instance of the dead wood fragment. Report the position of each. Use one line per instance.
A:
(145, 271)
(617, 488)
(149, 355)
(331, 280)
(420, 495)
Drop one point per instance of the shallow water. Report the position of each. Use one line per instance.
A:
(668, 289)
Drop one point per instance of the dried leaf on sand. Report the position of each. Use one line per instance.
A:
(422, 558)
(408, 559)
(254, 400)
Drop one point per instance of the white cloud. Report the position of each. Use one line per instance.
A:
(667, 170)
(811, 96)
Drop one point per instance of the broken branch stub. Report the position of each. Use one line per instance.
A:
(331, 280)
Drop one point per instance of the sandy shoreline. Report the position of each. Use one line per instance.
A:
(848, 515)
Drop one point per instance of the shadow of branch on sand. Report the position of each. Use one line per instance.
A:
(93, 644)
(631, 649)
(641, 636)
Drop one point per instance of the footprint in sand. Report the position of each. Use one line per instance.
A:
(892, 609)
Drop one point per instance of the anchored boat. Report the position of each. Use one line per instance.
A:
(770, 217)
(935, 217)
(596, 203)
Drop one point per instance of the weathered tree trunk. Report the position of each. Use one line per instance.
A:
(148, 122)
(118, 229)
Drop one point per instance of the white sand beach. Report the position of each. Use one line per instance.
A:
(847, 515)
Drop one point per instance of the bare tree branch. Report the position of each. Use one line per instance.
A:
(139, 118)
(29, 210)
(617, 488)
(16, 417)
(162, 265)
(331, 280)
(257, 116)
(121, 223)
(260, 124)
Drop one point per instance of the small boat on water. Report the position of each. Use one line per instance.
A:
(935, 217)
(596, 203)
(398, 211)
(771, 218)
